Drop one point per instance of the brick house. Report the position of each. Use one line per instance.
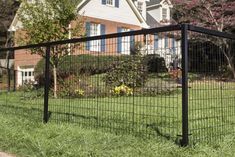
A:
(105, 17)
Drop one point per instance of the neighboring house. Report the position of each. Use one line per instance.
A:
(158, 15)
(111, 16)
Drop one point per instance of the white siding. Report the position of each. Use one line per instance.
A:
(156, 14)
(144, 7)
(123, 14)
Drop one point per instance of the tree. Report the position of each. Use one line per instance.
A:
(7, 12)
(213, 14)
(47, 20)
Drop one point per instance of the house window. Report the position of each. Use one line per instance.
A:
(166, 42)
(140, 7)
(25, 75)
(110, 2)
(164, 13)
(94, 29)
(124, 42)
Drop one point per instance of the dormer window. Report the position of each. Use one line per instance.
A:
(113, 3)
(164, 14)
(110, 2)
(140, 6)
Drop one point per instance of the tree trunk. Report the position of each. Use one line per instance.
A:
(229, 56)
(55, 81)
(231, 68)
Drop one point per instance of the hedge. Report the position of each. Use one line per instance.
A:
(91, 64)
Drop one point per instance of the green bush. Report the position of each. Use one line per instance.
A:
(155, 63)
(91, 65)
(79, 65)
(77, 87)
(29, 91)
(131, 72)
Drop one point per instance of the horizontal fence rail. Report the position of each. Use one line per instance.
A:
(168, 83)
(108, 36)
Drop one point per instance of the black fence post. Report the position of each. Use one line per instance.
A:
(8, 73)
(47, 84)
(14, 77)
(185, 130)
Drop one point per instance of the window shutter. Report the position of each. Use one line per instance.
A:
(102, 32)
(117, 3)
(104, 2)
(132, 42)
(155, 41)
(173, 45)
(119, 42)
(88, 32)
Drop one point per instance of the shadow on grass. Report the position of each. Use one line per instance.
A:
(37, 114)
(32, 112)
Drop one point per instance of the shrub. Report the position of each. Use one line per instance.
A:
(88, 64)
(77, 87)
(131, 72)
(123, 90)
(155, 63)
(79, 65)
(30, 91)
(70, 87)
(91, 65)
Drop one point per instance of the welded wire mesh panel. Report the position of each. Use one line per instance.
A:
(20, 94)
(211, 87)
(127, 84)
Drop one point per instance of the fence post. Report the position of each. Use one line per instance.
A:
(46, 85)
(184, 44)
(8, 73)
(14, 80)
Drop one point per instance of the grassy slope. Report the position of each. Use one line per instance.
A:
(208, 117)
(31, 139)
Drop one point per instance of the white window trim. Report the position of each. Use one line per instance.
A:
(95, 45)
(166, 13)
(140, 8)
(111, 5)
(125, 42)
(24, 79)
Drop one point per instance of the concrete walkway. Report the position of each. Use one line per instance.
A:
(5, 155)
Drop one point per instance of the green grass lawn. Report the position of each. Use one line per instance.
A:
(211, 112)
(29, 138)
(155, 121)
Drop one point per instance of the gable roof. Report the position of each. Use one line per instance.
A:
(152, 22)
(132, 6)
(82, 4)
(154, 3)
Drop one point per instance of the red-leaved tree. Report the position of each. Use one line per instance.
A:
(213, 14)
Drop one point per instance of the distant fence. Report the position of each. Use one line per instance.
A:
(173, 82)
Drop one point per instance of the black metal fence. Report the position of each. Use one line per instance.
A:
(173, 82)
